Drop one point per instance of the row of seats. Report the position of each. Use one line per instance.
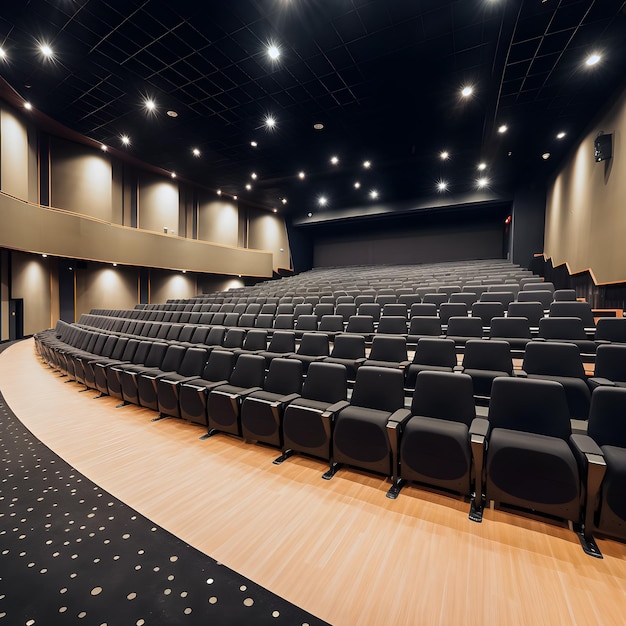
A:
(522, 454)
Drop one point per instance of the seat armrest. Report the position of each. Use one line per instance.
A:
(404, 364)
(602, 342)
(360, 360)
(335, 408)
(246, 392)
(600, 382)
(203, 387)
(458, 369)
(479, 429)
(287, 399)
(399, 417)
(520, 373)
(588, 447)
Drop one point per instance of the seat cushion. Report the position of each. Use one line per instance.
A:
(614, 485)
(302, 424)
(360, 435)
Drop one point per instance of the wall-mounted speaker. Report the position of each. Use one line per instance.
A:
(603, 147)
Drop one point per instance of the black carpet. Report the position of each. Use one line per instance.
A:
(70, 553)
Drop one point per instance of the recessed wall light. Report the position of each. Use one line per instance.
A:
(503, 128)
(373, 194)
(334, 160)
(274, 210)
(172, 113)
(3, 54)
(196, 152)
(45, 256)
(28, 106)
(301, 175)
(444, 156)
(481, 167)
(125, 140)
(309, 214)
(184, 271)
(235, 197)
(322, 200)
(442, 185)
(545, 156)
(561, 135)
(114, 264)
(467, 91)
(593, 59)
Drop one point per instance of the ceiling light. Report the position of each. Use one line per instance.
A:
(114, 264)
(173, 174)
(467, 91)
(545, 156)
(150, 105)
(318, 126)
(482, 167)
(269, 122)
(284, 200)
(28, 106)
(373, 194)
(172, 113)
(253, 176)
(334, 160)
(103, 148)
(481, 183)
(235, 197)
(184, 271)
(367, 164)
(45, 256)
(357, 185)
(502, 129)
(593, 59)
(274, 210)
(126, 140)
(248, 186)
(3, 54)
(442, 185)
(301, 175)
(196, 152)
(273, 51)
(309, 214)
(219, 192)
(322, 200)
(561, 135)
(254, 144)
(444, 155)
(46, 50)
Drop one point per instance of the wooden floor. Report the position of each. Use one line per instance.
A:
(338, 548)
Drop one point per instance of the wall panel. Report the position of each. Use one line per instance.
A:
(106, 287)
(30, 280)
(14, 155)
(267, 231)
(158, 204)
(218, 221)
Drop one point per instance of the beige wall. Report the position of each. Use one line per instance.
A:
(30, 281)
(4, 295)
(267, 231)
(158, 204)
(81, 180)
(211, 284)
(106, 287)
(218, 221)
(14, 155)
(169, 285)
(586, 205)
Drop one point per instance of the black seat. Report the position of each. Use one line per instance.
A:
(309, 419)
(449, 309)
(392, 325)
(423, 326)
(360, 436)
(147, 378)
(532, 311)
(543, 296)
(514, 330)
(262, 411)
(193, 394)
(611, 329)
(313, 347)
(122, 353)
(331, 325)
(423, 309)
(460, 329)
(568, 329)
(486, 311)
(349, 351)
(140, 351)
(361, 325)
(388, 351)
(564, 295)
(574, 309)
(610, 366)
(282, 344)
(224, 401)
(434, 354)
(484, 360)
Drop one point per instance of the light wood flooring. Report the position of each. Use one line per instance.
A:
(339, 549)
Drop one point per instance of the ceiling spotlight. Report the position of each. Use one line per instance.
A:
(196, 152)
(593, 59)
(273, 51)
(481, 167)
(322, 200)
(150, 105)
(481, 183)
(284, 200)
(318, 126)
(248, 186)
(357, 185)
(172, 113)
(309, 214)
(270, 122)
(367, 164)
(219, 192)
(45, 256)
(254, 144)
(467, 91)
(373, 194)
(334, 160)
(561, 135)
(545, 156)
(235, 197)
(444, 156)
(301, 175)
(46, 50)
(28, 106)
(126, 140)
(502, 129)
(442, 185)
(274, 210)
(114, 264)
(173, 174)
(184, 271)
(253, 176)
(3, 54)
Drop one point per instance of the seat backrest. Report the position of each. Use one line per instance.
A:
(324, 308)
(360, 324)
(503, 297)
(256, 339)
(200, 334)
(396, 308)
(109, 346)
(545, 297)
(530, 405)
(215, 336)
(302, 309)
(284, 321)
(532, 311)
(445, 396)
(156, 354)
(517, 327)
(284, 376)
(331, 323)
(380, 388)
(348, 347)
(564, 295)
(372, 309)
(607, 416)
(206, 318)
(435, 298)
(611, 329)
(314, 344)
(186, 332)
(392, 349)
(345, 309)
(141, 352)
(234, 338)
(219, 366)
(386, 298)
(306, 322)
(448, 309)
(423, 309)
(487, 310)
(269, 308)
(438, 352)
(611, 362)
(282, 341)
(562, 328)
(488, 354)
(466, 297)
(173, 358)
(550, 358)
(409, 299)
(125, 349)
(425, 325)
(326, 382)
(254, 308)
(249, 371)
(465, 327)
(573, 309)
(538, 285)
(193, 362)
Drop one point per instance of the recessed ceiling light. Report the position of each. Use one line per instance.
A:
(270, 122)
(274, 210)
(273, 51)
(173, 174)
(322, 200)
(126, 140)
(284, 200)
(545, 156)
(248, 186)
(28, 106)
(114, 264)
(301, 175)
(309, 214)
(172, 113)
(367, 164)
(503, 128)
(373, 194)
(445, 155)
(253, 176)
(561, 135)
(318, 126)
(467, 91)
(196, 152)
(254, 144)
(45, 256)
(103, 148)
(593, 59)
(481, 183)
(235, 197)
(150, 105)
(357, 185)
(46, 50)
(334, 160)
(219, 192)
(3, 54)
(184, 271)
(442, 185)
(481, 167)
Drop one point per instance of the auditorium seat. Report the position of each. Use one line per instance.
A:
(611, 329)
(431, 354)
(305, 324)
(146, 379)
(532, 311)
(466, 297)
(610, 366)
(361, 325)
(568, 329)
(282, 343)
(349, 351)
(331, 325)
(423, 309)
(423, 326)
(313, 347)
(484, 360)
(391, 325)
(122, 353)
(146, 358)
(449, 309)
(388, 351)
(574, 309)
(514, 330)
(460, 329)
(545, 297)
(486, 311)
(564, 295)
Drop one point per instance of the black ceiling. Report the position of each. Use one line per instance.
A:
(383, 76)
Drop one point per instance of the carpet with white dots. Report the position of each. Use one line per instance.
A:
(70, 553)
